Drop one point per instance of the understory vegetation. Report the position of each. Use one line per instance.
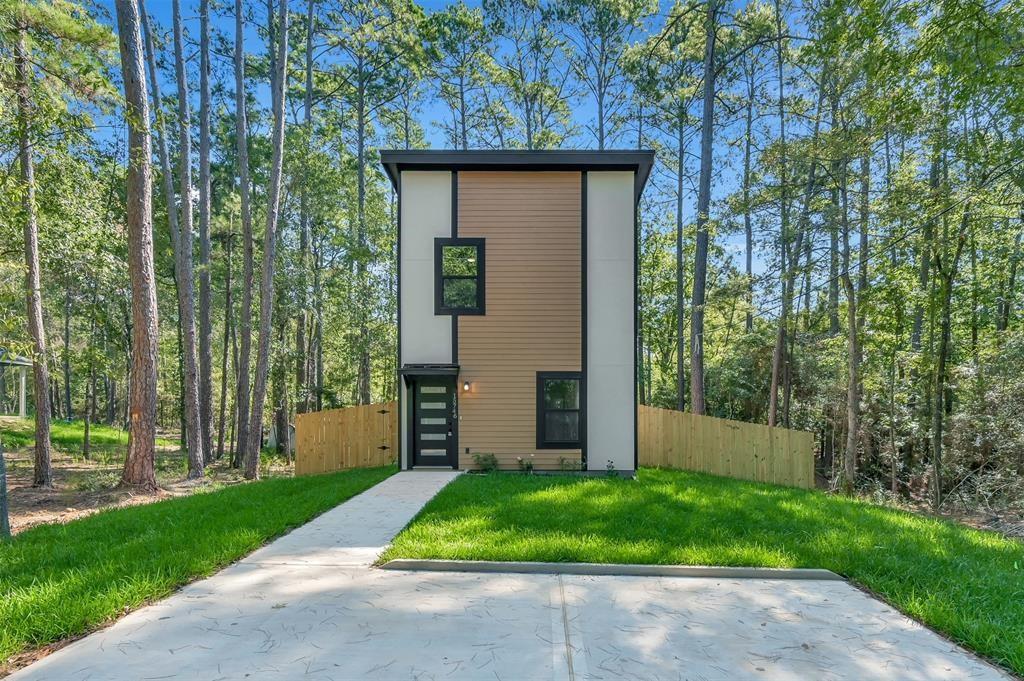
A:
(68, 436)
(965, 583)
(59, 581)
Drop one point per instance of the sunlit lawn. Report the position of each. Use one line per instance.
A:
(66, 435)
(966, 583)
(58, 581)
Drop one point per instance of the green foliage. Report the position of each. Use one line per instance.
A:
(486, 463)
(530, 75)
(66, 435)
(567, 464)
(59, 581)
(461, 44)
(959, 581)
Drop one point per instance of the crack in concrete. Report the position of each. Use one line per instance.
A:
(565, 626)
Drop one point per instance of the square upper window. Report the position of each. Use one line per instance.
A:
(458, 276)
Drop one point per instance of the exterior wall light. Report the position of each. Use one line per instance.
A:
(465, 386)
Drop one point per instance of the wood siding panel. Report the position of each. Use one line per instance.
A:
(531, 221)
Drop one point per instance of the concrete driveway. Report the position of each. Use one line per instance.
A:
(309, 607)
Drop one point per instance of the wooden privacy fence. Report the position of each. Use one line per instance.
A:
(355, 437)
(735, 449)
(359, 437)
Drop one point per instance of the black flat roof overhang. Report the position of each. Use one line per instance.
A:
(429, 370)
(639, 161)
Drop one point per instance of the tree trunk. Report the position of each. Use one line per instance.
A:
(833, 268)
(42, 475)
(89, 404)
(166, 173)
(93, 409)
(643, 365)
(280, 387)
(228, 314)
(301, 359)
(779, 355)
(804, 297)
(259, 393)
(318, 330)
(279, 365)
(138, 465)
(463, 136)
(1009, 296)
(802, 243)
(362, 287)
(680, 282)
(182, 423)
(55, 401)
(865, 221)
(700, 262)
(161, 130)
(235, 461)
(205, 321)
(245, 321)
(68, 410)
(853, 354)
(111, 386)
(862, 279)
(748, 229)
(87, 418)
(183, 262)
(947, 272)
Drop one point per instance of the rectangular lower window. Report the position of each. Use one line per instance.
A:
(459, 276)
(559, 409)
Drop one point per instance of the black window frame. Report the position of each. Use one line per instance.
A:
(481, 278)
(542, 410)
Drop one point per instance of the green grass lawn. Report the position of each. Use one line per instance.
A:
(58, 581)
(966, 583)
(19, 432)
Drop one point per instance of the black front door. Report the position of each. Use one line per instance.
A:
(435, 422)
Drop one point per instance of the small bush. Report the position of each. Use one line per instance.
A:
(525, 463)
(565, 464)
(485, 463)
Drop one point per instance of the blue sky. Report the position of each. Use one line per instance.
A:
(662, 189)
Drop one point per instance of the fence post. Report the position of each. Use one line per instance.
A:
(5, 523)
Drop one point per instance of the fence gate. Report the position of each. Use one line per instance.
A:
(354, 437)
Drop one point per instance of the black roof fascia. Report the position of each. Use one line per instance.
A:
(639, 161)
(429, 370)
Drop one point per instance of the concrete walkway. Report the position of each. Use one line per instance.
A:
(308, 607)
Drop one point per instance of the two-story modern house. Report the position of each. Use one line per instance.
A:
(517, 306)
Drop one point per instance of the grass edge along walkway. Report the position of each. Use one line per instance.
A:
(966, 584)
(62, 581)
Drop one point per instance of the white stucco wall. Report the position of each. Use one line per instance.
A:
(426, 214)
(611, 414)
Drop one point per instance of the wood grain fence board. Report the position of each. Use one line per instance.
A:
(367, 436)
(354, 437)
(745, 451)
